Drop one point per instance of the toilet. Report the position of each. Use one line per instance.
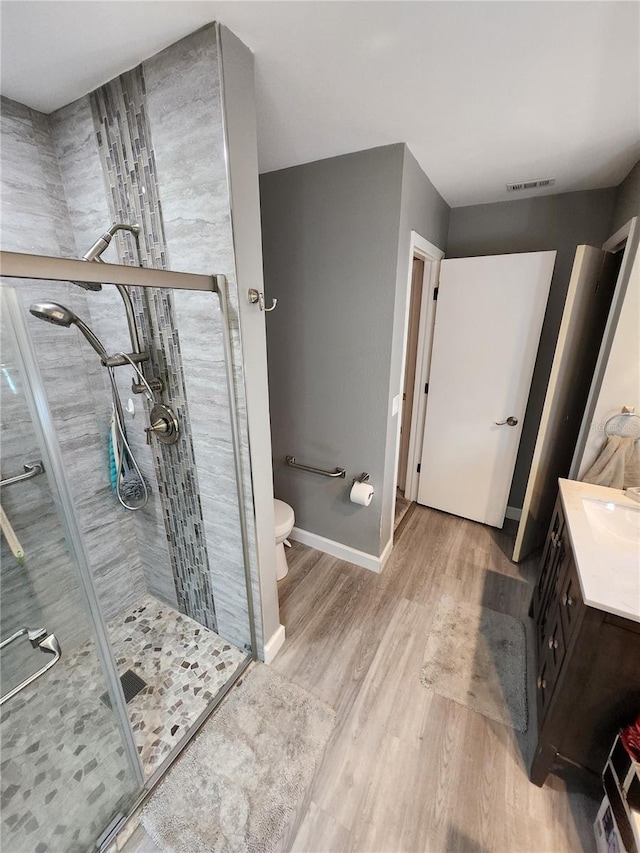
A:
(285, 519)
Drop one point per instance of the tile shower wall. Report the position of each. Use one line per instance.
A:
(183, 136)
(82, 176)
(35, 219)
(42, 590)
(128, 164)
(186, 117)
(160, 126)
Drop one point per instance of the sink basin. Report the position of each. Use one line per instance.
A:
(613, 524)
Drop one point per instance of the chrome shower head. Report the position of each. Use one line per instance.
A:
(89, 285)
(52, 312)
(101, 244)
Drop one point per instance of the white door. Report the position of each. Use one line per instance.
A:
(488, 321)
(586, 309)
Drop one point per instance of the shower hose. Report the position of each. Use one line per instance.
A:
(125, 459)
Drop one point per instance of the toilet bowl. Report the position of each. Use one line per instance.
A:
(285, 519)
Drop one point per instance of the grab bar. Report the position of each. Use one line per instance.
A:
(31, 469)
(338, 472)
(38, 639)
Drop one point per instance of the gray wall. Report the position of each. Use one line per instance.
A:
(330, 245)
(627, 203)
(559, 222)
(422, 209)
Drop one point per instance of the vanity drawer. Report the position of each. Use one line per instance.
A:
(556, 579)
(549, 563)
(552, 654)
(571, 604)
(555, 645)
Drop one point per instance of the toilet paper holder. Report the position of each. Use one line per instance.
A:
(363, 478)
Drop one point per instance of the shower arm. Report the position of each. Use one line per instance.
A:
(134, 230)
(137, 353)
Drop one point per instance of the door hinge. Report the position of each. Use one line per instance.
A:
(435, 293)
(426, 387)
(418, 468)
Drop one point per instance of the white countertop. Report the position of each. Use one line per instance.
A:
(608, 566)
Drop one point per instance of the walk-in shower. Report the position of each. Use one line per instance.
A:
(135, 668)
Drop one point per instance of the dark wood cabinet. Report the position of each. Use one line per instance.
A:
(588, 665)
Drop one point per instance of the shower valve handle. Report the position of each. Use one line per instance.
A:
(163, 424)
(158, 428)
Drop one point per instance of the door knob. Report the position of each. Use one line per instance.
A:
(511, 421)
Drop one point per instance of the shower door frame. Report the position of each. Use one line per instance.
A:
(17, 265)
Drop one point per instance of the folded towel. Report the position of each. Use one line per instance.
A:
(10, 536)
(632, 467)
(611, 464)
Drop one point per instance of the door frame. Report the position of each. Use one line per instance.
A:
(624, 239)
(431, 255)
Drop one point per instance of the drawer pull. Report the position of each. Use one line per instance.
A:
(541, 683)
(567, 601)
(553, 643)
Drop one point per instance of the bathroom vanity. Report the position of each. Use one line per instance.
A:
(586, 609)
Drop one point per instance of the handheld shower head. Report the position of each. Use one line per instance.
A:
(52, 312)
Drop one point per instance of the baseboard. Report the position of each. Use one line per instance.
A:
(343, 552)
(514, 513)
(274, 644)
(386, 553)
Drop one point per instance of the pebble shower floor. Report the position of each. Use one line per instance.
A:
(58, 744)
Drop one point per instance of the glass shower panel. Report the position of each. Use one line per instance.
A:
(67, 770)
(180, 624)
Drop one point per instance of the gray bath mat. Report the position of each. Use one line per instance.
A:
(237, 783)
(477, 657)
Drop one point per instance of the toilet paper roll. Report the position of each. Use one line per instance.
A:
(361, 493)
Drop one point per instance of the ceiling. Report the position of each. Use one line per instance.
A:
(482, 92)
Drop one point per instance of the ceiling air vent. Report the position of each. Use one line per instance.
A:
(531, 185)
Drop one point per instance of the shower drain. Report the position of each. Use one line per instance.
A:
(132, 684)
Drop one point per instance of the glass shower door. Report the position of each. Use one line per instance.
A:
(68, 766)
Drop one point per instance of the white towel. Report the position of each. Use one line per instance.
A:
(614, 464)
(632, 467)
(10, 536)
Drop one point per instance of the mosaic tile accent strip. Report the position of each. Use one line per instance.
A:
(62, 755)
(128, 163)
(183, 664)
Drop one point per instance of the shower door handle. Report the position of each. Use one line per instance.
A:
(48, 644)
(31, 469)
